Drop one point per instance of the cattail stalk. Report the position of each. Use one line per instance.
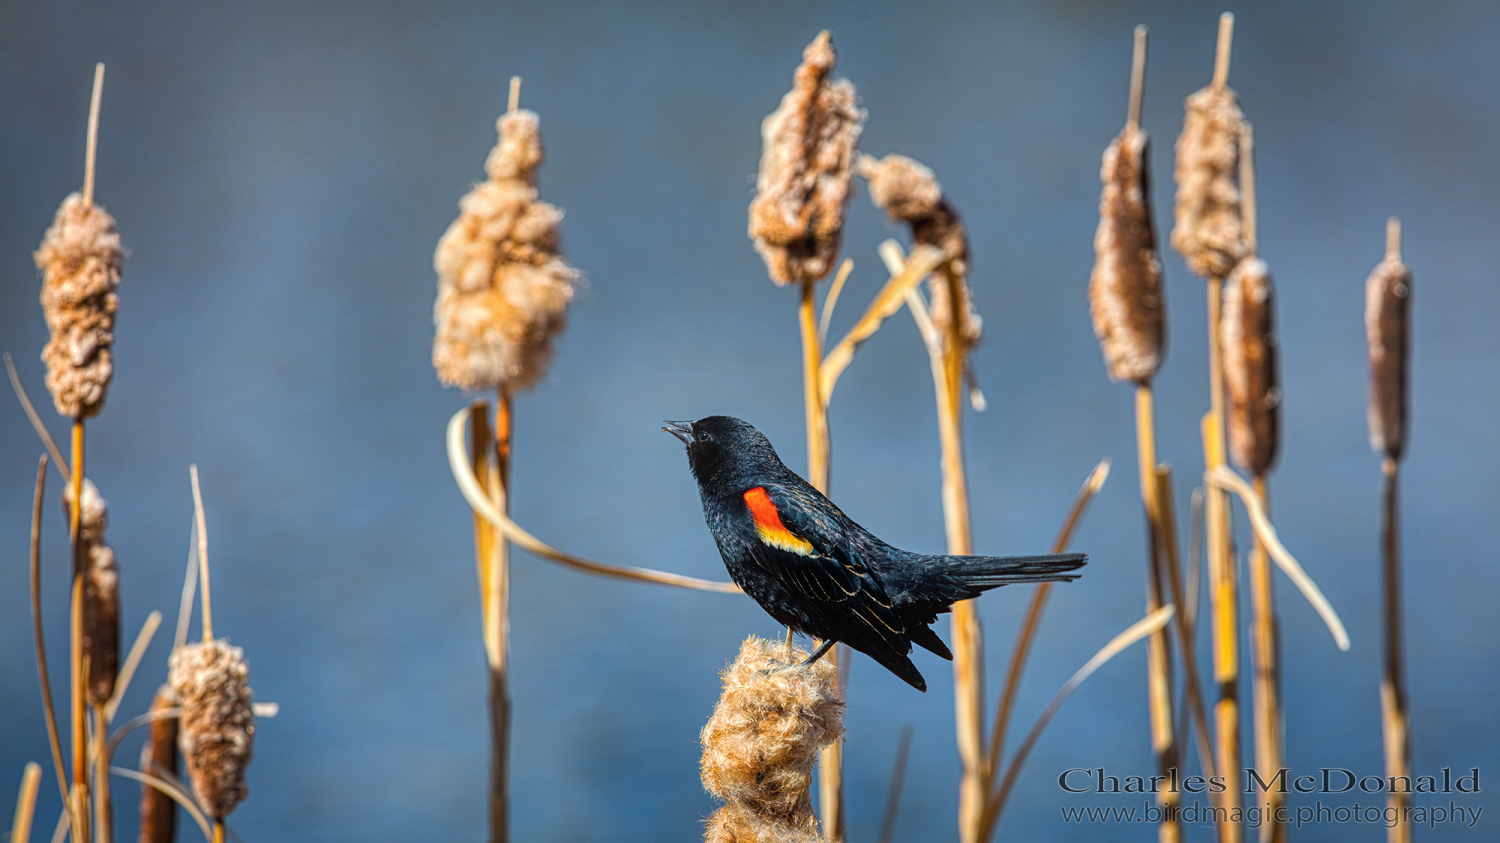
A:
(1208, 234)
(1125, 301)
(796, 224)
(909, 192)
(20, 826)
(1387, 308)
(1252, 381)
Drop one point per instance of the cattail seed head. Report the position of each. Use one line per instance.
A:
(80, 259)
(807, 157)
(101, 593)
(1125, 297)
(503, 287)
(1208, 230)
(211, 681)
(762, 740)
(158, 757)
(909, 192)
(1252, 379)
(1387, 309)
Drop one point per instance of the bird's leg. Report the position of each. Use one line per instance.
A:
(789, 638)
(818, 653)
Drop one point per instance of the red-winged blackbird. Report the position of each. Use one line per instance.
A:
(818, 572)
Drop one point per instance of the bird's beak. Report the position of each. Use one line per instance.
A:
(681, 429)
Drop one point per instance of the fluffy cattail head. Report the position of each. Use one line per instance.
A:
(217, 726)
(159, 757)
(1387, 305)
(797, 216)
(503, 288)
(1208, 230)
(908, 192)
(80, 259)
(762, 740)
(1125, 297)
(1252, 380)
(101, 593)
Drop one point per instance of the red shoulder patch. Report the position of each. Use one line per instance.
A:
(768, 523)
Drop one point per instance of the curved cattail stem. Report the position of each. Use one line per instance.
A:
(494, 568)
(91, 149)
(49, 714)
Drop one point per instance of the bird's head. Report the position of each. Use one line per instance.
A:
(726, 449)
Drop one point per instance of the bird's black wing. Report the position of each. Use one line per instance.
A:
(805, 549)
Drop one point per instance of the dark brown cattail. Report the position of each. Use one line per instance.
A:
(101, 594)
(1387, 305)
(80, 259)
(1125, 297)
(760, 744)
(159, 759)
(211, 681)
(909, 192)
(1252, 381)
(807, 158)
(1208, 230)
(503, 287)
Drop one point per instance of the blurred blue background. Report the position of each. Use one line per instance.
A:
(282, 171)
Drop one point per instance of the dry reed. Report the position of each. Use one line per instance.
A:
(759, 747)
(1387, 314)
(809, 142)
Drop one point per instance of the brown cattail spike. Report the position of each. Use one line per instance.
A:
(211, 681)
(159, 759)
(797, 216)
(503, 288)
(1207, 230)
(1251, 378)
(80, 259)
(760, 744)
(101, 594)
(1125, 297)
(909, 192)
(1387, 311)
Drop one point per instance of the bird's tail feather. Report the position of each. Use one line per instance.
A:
(992, 571)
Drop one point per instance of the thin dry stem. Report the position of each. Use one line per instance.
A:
(20, 826)
(1033, 620)
(77, 670)
(175, 790)
(91, 148)
(463, 474)
(1137, 78)
(1159, 651)
(497, 628)
(189, 587)
(913, 270)
(1142, 628)
(36, 420)
(1183, 598)
(104, 811)
(132, 661)
(1266, 680)
(1395, 716)
(1221, 54)
(38, 638)
(208, 614)
(513, 101)
(898, 777)
(839, 279)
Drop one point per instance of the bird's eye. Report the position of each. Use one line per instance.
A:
(702, 436)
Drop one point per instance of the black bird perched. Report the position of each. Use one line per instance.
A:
(818, 572)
